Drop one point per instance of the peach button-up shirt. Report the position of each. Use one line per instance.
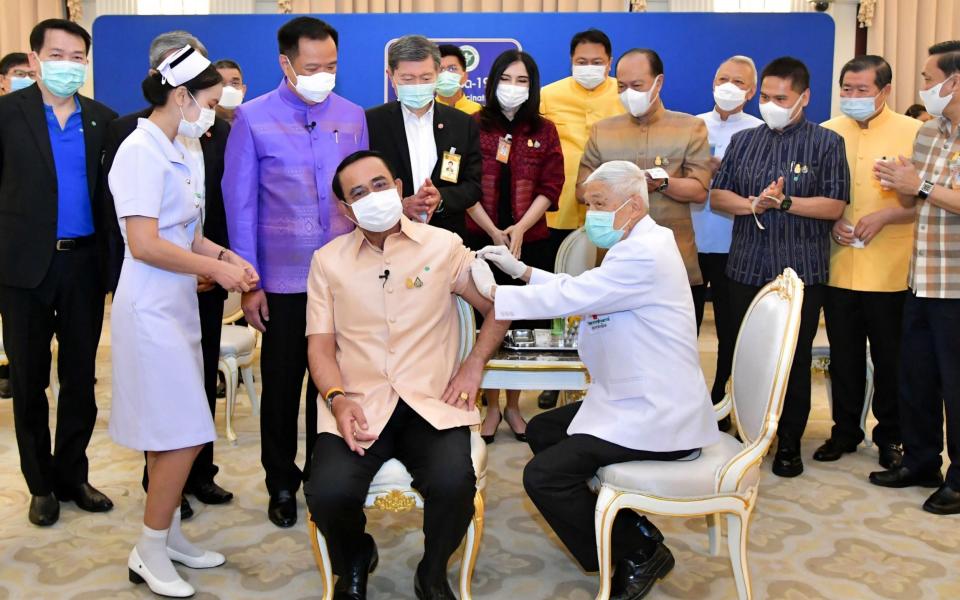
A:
(397, 337)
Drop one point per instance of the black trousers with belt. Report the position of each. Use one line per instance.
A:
(439, 461)
(283, 364)
(796, 404)
(556, 480)
(69, 303)
(853, 318)
(211, 322)
(713, 266)
(930, 384)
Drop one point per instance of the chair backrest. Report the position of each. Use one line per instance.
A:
(576, 254)
(761, 369)
(232, 310)
(468, 327)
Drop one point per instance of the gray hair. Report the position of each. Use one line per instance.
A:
(624, 179)
(743, 60)
(163, 44)
(412, 48)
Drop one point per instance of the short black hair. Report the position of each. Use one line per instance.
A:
(591, 36)
(39, 33)
(226, 63)
(787, 67)
(288, 37)
(915, 110)
(944, 47)
(529, 112)
(11, 60)
(356, 157)
(949, 62)
(656, 63)
(451, 50)
(883, 74)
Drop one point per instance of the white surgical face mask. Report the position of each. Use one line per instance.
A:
(231, 97)
(511, 96)
(195, 129)
(638, 103)
(316, 87)
(728, 96)
(590, 76)
(777, 117)
(378, 211)
(933, 102)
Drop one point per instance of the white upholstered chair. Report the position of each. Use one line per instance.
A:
(392, 488)
(724, 478)
(576, 254)
(238, 346)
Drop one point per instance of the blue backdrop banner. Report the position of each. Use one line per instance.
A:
(691, 44)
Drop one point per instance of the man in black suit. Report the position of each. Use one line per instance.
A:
(208, 151)
(51, 278)
(435, 148)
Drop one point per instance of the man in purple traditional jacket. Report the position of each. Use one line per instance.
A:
(281, 156)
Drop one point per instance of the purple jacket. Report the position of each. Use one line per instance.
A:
(280, 159)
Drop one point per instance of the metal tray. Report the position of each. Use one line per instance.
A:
(510, 343)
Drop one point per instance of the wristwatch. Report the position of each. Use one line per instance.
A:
(663, 186)
(331, 395)
(786, 203)
(925, 188)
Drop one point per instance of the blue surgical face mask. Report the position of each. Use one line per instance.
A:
(63, 77)
(416, 96)
(599, 227)
(858, 109)
(19, 83)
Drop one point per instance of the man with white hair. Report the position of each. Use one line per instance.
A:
(648, 399)
(206, 154)
(733, 86)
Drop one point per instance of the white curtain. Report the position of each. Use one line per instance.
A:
(902, 31)
(19, 17)
(408, 6)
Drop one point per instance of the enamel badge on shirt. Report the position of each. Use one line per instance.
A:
(450, 171)
(503, 149)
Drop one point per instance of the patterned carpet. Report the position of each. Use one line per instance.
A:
(825, 535)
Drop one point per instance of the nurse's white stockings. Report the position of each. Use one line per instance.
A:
(152, 549)
(176, 540)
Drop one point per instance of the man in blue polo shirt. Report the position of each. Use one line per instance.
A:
(786, 184)
(51, 274)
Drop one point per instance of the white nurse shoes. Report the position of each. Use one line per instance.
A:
(178, 588)
(207, 560)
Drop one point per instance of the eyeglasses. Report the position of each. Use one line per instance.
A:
(452, 69)
(22, 73)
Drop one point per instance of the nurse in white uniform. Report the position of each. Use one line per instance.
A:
(159, 405)
(638, 338)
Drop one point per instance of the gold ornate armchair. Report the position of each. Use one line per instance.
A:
(392, 489)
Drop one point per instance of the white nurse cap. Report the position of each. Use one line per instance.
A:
(182, 66)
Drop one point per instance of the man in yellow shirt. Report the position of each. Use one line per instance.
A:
(574, 104)
(453, 74)
(869, 258)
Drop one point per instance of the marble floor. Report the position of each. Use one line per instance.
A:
(827, 535)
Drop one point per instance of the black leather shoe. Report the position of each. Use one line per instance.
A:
(649, 530)
(944, 501)
(44, 510)
(211, 493)
(891, 455)
(283, 509)
(634, 576)
(832, 450)
(352, 585)
(547, 399)
(902, 477)
(787, 461)
(86, 497)
(186, 511)
(437, 589)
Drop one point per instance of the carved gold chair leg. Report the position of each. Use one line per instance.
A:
(322, 558)
(471, 548)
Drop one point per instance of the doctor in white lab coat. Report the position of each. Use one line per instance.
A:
(638, 338)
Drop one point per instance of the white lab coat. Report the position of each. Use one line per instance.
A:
(638, 338)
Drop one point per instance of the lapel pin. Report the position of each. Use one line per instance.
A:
(529, 143)
(417, 283)
(93, 123)
(536, 144)
(439, 125)
(658, 161)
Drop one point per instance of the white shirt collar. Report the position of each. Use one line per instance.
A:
(731, 119)
(409, 115)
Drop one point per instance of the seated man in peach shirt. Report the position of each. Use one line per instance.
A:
(382, 344)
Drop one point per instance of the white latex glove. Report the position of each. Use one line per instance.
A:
(505, 261)
(482, 277)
